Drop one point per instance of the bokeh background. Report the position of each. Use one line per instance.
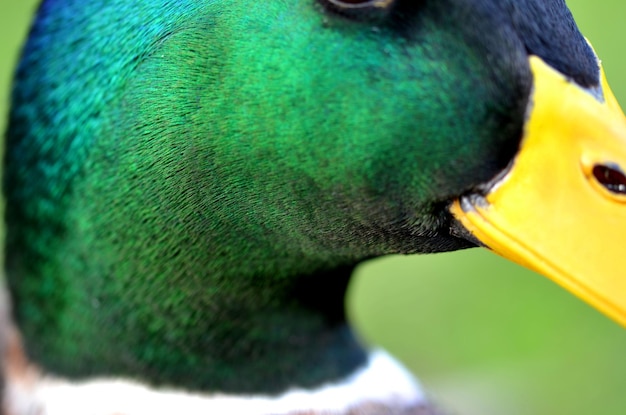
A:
(486, 336)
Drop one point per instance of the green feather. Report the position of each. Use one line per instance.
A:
(190, 183)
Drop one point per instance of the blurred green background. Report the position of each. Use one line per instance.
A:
(486, 336)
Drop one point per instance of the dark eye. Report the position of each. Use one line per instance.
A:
(611, 178)
(359, 8)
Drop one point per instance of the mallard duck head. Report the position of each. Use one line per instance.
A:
(190, 184)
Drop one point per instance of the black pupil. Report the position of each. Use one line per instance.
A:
(611, 178)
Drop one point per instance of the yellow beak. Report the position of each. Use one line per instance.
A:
(561, 207)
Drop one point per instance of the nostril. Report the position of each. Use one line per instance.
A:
(611, 178)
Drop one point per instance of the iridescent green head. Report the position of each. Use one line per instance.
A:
(190, 183)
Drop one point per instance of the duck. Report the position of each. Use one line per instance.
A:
(190, 185)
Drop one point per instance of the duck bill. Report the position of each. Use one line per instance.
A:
(560, 208)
